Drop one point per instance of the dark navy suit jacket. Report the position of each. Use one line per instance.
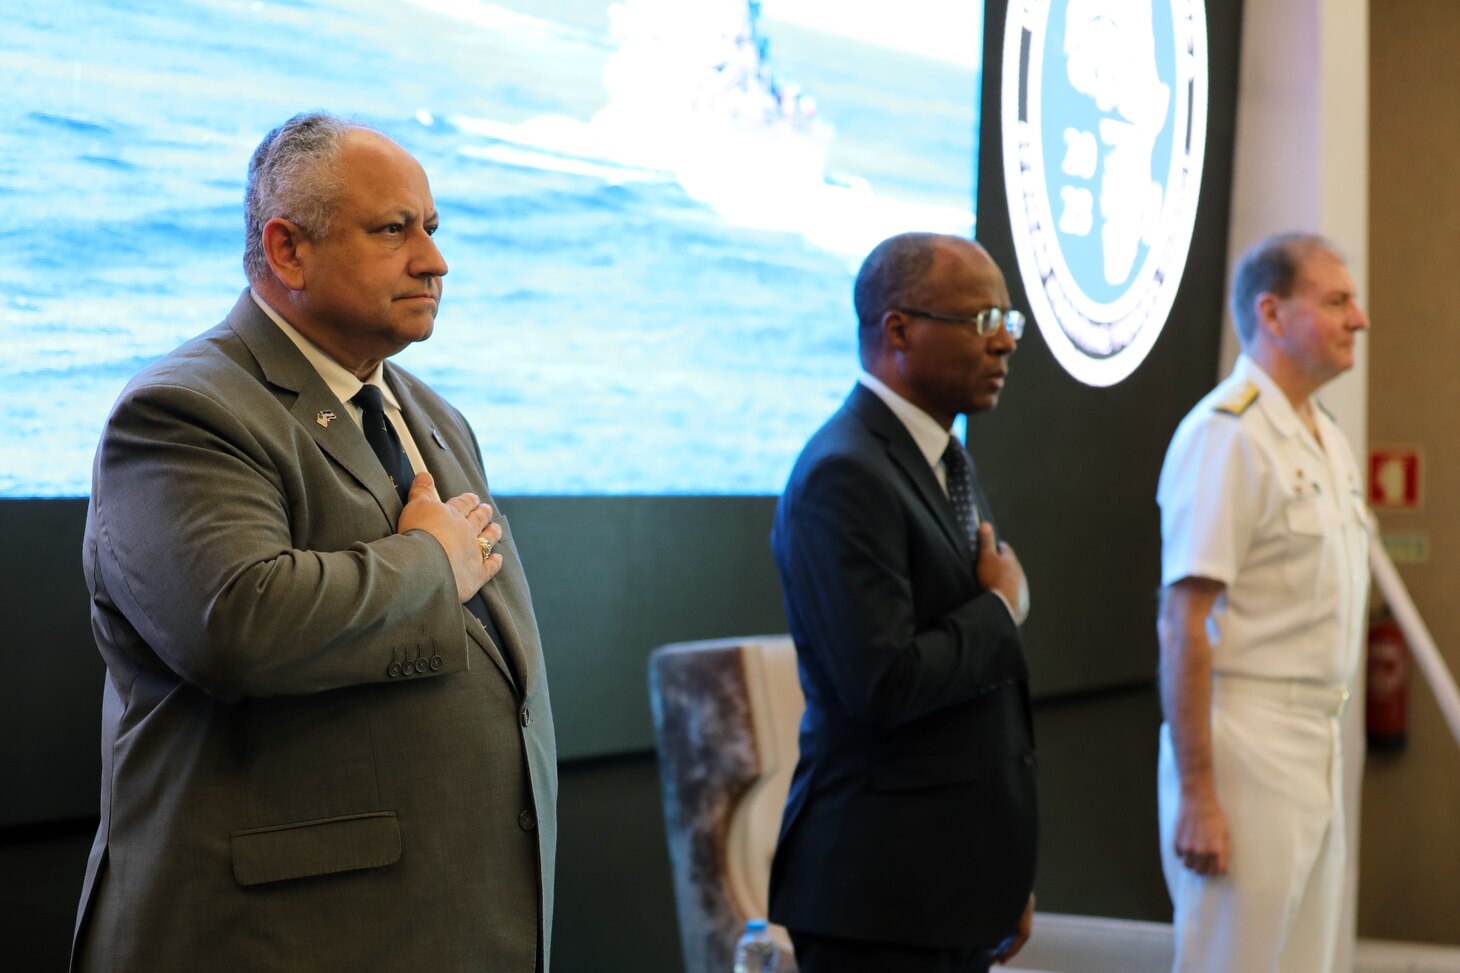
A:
(912, 816)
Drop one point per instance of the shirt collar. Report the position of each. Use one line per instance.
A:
(1272, 400)
(927, 433)
(340, 379)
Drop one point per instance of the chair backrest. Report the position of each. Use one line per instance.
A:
(776, 704)
(726, 714)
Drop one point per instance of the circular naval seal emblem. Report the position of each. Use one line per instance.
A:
(1103, 120)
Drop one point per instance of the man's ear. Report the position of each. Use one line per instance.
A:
(283, 241)
(894, 329)
(1268, 305)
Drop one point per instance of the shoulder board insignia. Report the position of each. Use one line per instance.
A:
(1240, 400)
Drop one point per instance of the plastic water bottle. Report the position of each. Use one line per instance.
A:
(756, 951)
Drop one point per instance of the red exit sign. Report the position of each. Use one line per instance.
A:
(1395, 478)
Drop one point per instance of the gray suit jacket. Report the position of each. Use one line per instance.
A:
(313, 757)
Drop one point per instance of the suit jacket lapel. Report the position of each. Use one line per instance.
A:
(451, 477)
(285, 368)
(905, 454)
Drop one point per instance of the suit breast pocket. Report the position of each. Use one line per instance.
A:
(1305, 518)
(1314, 534)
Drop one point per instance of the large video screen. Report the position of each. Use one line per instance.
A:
(652, 210)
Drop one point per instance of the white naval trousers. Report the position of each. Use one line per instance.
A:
(1278, 769)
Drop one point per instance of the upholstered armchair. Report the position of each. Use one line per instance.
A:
(726, 715)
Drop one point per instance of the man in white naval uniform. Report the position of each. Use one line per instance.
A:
(1264, 567)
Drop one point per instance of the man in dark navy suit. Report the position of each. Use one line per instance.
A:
(908, 838)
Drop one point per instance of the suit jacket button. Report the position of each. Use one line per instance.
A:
(435, 662)
(526, 821)
(394, 670)
(421, 665)
(525, 716)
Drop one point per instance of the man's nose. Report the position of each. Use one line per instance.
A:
(428, 261)
(1002, 342)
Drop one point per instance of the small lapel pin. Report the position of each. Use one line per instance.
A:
(437, 436)
(324, 417)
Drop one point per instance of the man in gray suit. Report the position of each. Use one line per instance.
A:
(326, 735)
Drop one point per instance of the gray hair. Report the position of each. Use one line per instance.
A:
(294, 174)
(890, 277)
(1270, 266)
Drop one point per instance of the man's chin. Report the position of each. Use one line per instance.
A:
(1340, 363)
(983, 402)
(417, 328)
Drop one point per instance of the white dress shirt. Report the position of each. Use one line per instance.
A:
(927, 433)
(931, 440)
(345, 385)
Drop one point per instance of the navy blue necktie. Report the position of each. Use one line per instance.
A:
(958, 466)
(381, 436)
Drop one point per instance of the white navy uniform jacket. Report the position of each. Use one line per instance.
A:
(1249, 498)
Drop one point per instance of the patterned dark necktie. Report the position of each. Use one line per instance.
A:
(381, 436)
(958, 466)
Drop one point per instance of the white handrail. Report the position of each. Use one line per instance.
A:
(1421, 643)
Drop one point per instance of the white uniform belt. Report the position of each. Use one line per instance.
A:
(1332, 700)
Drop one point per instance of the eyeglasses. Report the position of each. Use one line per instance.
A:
(985, 322)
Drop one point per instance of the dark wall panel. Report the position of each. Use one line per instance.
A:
(1071, 470)
(50, 698)
(612, 578)
(1097, 847)
(615, 901)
